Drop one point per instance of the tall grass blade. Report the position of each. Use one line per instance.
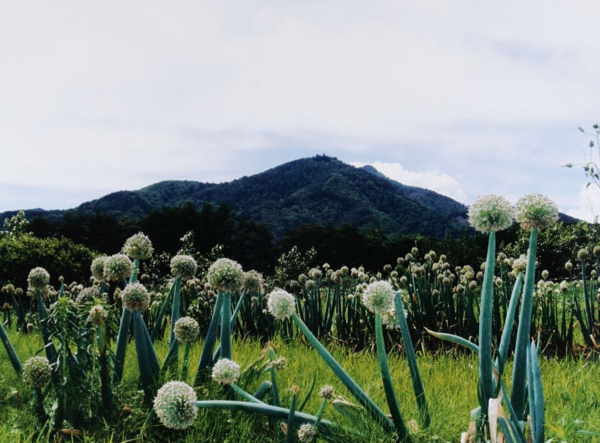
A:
(309, 393)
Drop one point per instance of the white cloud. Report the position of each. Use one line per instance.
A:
(587, 205)
(434, 180)
(109, 95)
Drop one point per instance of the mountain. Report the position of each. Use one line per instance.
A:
(310, 191)
(316, 190)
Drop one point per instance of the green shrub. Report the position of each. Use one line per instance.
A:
(60, 257)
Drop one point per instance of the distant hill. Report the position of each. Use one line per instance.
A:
(310, 191)
(317, 190)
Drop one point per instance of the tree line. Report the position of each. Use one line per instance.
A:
(62, 245)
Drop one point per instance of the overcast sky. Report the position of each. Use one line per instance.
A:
(466, 98)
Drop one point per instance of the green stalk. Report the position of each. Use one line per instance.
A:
(209, 343)
(238, 307)
(536, 395)
(519, 390)
(122, 338)
(415, 374)
(486, 380)
(455, 339)
(186, 361)
(39, 405)
(106, 390)
(175, 309)
(225, 341)
(320, 412)
(589, 301)
(374, 411)
(10, 350)
(236, 311)
(245, 395)
(291, 417)
(147, 360)
(274, 387)
(268, 410)
(170, 361)
(161, 314)
(388, 384)
(262, 390)
(51, 353)
(508, 326)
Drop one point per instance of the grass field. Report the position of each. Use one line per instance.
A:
(571, 390)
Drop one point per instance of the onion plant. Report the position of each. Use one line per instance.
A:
(183, 267)
(283, 305)
(176, 406)
(226, 276)
(490, 214)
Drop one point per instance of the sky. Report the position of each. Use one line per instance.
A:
(461, 97)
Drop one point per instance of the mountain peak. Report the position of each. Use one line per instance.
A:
(316, 190)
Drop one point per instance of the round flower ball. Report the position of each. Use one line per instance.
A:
(117, 267)
(87, 295)
(490, 213)
(97, 315)
(184, 266)
(37, 372)
(174, 405)
(327, 392)
(536, 211)
(307, 433)
(281, 304)
(379, 297)
(186, 330)
(135, 297)
(38, 278)
(226, 371)
(138, 246)
(226, 275)
(253, 281)
(97, 267)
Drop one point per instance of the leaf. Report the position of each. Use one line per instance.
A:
(455, 339)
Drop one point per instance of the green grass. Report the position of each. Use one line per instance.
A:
(571, 390)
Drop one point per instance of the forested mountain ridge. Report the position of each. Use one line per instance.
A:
(317, 190)
(351, 216)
